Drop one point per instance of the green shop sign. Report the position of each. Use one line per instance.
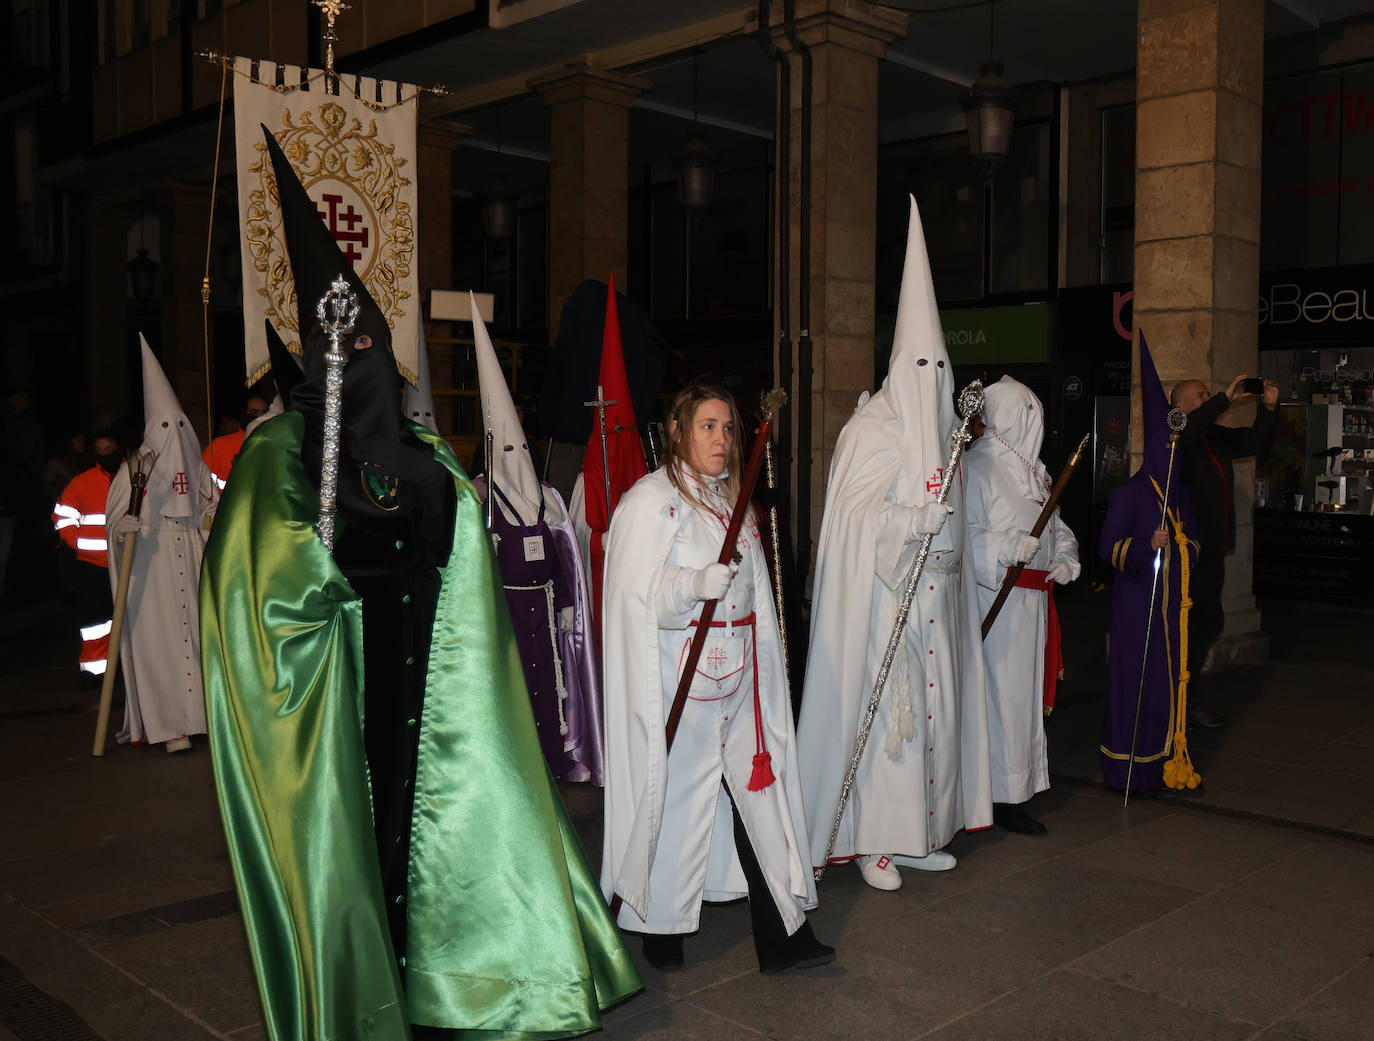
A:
(997, 334)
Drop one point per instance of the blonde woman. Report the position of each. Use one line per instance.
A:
(721, 816)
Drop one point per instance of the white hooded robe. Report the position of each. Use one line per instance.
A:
(1007, 487)
(160, 646)
(924, 772)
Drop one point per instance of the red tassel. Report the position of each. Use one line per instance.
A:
(762, 776)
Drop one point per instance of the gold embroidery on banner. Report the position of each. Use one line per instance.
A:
(333, 147)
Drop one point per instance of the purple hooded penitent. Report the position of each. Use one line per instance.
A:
(1134, 513)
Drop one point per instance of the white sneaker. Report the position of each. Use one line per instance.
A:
(880, 873)
(937, 861)
(179, 744)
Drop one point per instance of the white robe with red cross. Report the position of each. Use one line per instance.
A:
(923, 774)
(669, 835)
(160, 649)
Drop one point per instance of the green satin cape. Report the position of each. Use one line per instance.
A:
(508, 934)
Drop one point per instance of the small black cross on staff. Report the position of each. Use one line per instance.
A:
(600, 405)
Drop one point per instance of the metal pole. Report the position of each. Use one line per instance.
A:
(1177, 420)
(337, 310)
(970, 404)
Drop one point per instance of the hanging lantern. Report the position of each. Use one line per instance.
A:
(989, 108)
(498, 201)
(696, 162)
(696, 175)
(498, 208)
(142, 277)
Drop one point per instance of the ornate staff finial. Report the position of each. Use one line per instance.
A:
(331, 10)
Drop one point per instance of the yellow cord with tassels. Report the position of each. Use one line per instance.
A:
(1178, 771)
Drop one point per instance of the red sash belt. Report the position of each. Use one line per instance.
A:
(762, 774)
(1030, 578)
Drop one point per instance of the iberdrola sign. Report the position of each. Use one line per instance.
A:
(1018, 333)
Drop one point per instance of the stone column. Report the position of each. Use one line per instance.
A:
(1199, 89)
(589, 173)
(436, 142)
(846, 41)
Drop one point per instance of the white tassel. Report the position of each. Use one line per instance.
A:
(903, 718)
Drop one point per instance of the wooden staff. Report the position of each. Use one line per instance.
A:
(138, 480)
(773, 401)
(1014, 572)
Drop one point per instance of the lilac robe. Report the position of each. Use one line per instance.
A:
(560, 673)
(1133, 513)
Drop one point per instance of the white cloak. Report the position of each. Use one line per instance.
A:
(669, 840)
(159, 651)
(1014, 651)
(938, 783)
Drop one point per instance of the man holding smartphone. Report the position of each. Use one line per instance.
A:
(1207, 450)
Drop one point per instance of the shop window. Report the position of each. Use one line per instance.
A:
(1019, 236)
(140, 23)
(949, 190)
(1118, 194)
(710, 265)
(29, 44)
(986, 238)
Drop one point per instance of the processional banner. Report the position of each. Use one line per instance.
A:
(355, 154)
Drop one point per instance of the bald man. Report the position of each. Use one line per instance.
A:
(1207, 450)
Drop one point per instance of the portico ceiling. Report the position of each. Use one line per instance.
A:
(488, 68)
(1059, 41)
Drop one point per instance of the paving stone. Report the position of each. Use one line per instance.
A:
(1219, 956)
(1339, 756)
(722, 949)
(679, 1021)
(1340, 1012)
(1300, 794)
(117, 1006)
(883, 984)
(1078, 816)
(1067, 1006)
(93, 870)
(1191, 849)
(1225, 772)
(202, 968)
(1329, 883)
(1060, 906)
(122, 900)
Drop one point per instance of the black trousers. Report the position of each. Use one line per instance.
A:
(1206, 618)
(770, 935)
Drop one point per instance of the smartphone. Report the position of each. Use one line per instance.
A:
(1252, 385)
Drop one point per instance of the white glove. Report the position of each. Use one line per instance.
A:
(1065, 571)
(1017, 549)
(711, 582)
(927, 519)
(126, 525)
(566, 617)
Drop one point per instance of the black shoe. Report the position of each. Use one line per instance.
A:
(1013, 817)
(802, 951)
(1200, 716)
(664, 951)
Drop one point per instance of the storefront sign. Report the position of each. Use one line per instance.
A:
(1317, 307)
(997, 334)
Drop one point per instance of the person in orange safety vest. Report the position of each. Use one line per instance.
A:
(219, 454)
(79, 517)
